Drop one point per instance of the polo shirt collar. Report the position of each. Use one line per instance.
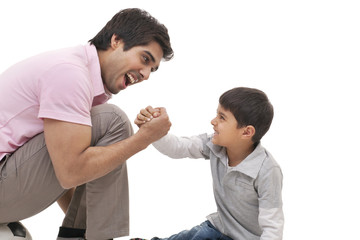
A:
(250, 165)
(95, 73)
(218, 151)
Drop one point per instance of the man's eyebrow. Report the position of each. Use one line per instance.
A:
(151, 56)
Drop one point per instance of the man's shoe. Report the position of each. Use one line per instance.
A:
(71, 234)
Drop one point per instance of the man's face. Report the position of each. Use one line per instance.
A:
(120, 69)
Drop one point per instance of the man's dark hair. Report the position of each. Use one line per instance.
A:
(249, 106)
(135, 27)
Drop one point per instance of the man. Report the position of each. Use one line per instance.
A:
(60, 142)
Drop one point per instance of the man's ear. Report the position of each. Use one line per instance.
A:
(249, 132)
(116, 42)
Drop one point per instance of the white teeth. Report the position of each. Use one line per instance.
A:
(132, 80)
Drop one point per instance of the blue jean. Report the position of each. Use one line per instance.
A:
(204, 231)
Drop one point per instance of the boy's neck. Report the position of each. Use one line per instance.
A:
(237, 155)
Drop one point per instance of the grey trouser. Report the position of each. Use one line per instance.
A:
(28, 183)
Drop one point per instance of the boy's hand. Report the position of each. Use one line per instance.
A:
(146, 115)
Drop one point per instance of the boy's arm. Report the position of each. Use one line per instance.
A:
(271, 217)
(180, 147)
(272, 222)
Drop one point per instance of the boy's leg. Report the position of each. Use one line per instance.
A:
(102, 206)
(203, 231)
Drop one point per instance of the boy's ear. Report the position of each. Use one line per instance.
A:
(249, 132)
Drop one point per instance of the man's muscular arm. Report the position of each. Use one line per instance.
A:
(76, 162)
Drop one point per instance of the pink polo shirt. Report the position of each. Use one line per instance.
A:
(62, 85)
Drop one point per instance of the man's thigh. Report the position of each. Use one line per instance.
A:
(28, 183)
(102, 205)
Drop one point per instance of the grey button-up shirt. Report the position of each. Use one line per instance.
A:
(248, 196)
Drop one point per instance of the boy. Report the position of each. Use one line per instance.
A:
(247, 181)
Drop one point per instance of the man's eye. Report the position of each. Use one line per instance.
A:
(146, 59)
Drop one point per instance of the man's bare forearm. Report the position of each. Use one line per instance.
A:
(76, 162)
(98, 161)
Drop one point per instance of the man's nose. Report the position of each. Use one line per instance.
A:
(145, 73)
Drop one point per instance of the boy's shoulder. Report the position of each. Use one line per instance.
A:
(258, 162)
(270, 168)
(269, 160)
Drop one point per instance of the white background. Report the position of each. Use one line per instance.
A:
(304, 54)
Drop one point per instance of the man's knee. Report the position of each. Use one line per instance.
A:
(110, 122)
(120, 120)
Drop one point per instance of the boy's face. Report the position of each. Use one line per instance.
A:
(226, 132)
(121, 69)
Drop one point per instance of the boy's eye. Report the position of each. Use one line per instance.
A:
(221, 117)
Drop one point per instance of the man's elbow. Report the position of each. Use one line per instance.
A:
(68, 173)
(67, 180)
(67, 184)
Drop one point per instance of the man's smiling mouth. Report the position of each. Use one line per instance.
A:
(130, 79)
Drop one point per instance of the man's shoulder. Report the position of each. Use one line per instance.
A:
(69, 56)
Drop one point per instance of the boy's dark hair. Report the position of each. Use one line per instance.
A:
(249, 106)
(135, 27)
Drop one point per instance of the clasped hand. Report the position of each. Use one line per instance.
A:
(146, 114)
(154, 121)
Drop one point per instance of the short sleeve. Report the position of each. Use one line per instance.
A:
(66, 94)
